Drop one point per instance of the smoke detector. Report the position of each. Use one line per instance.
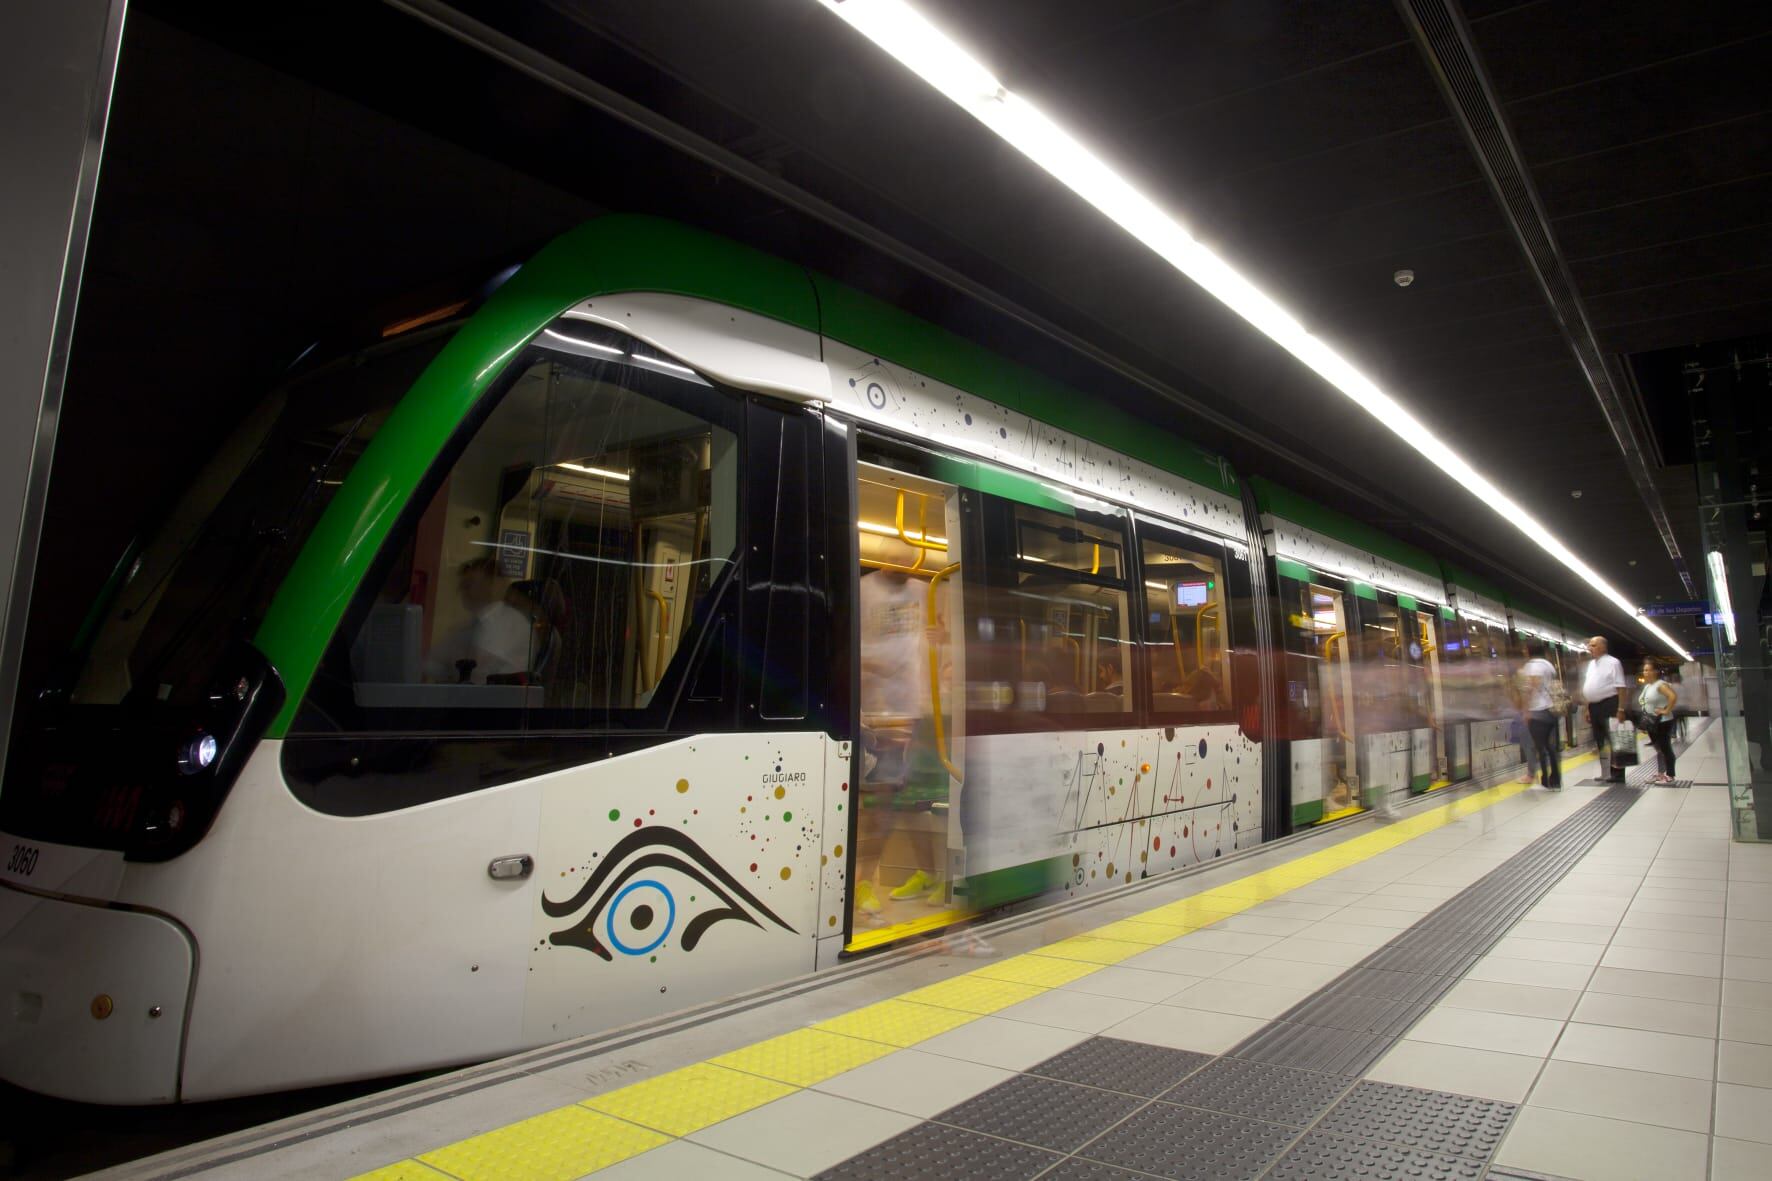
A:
(1403, 277)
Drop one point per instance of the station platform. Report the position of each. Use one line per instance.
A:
(1499, 981)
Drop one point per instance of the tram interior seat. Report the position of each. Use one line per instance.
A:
(1103, 701)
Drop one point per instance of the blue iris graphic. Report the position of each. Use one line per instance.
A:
(642, 917)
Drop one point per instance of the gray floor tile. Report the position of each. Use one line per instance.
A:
(1042, 1112)
(1132, 1068)
(1320, 1156)
(1191, 1145)
(935, 1150)
(1261, 1090)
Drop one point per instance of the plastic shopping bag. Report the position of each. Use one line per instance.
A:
(1624, 742)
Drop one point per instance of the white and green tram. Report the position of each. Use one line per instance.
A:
(666, 622)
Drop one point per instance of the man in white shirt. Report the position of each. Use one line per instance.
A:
(1604, 689)
(1535, 680)
(496, 639)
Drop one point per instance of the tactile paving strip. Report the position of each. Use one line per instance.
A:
(1318, 1156)
(934, 1150)
(1041, 1111)
(1075, 1168)
(1192, 1145)
(1091, 1100)
(1261, 1090)
(1118, 1065)
(1314, 1047)
(1417, 1118)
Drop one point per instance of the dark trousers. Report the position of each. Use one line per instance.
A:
(1543, 724)
(1661, 736)
(1599, 715)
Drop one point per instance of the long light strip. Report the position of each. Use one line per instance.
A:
(1725, 605)
(929, 53)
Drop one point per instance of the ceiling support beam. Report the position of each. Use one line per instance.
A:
(1440, 32)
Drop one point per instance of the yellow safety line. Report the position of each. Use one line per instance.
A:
(600, 1131)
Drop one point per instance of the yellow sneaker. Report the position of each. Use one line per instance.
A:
(914, 887)
(938, 891)
(865, 898)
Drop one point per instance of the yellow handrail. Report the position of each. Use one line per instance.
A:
(664, 635)
(921, 541)
(1329, 645)
(1076, 658)
(941, 742)
(1095, 563)
(1200, 632)
(1180, 661)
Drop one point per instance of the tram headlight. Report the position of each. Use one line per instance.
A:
(197, 754)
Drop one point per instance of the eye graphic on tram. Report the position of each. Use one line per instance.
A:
(653, 880)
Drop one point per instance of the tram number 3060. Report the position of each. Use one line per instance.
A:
(23, 861)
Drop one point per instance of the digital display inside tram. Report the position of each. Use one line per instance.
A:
(1192, 594)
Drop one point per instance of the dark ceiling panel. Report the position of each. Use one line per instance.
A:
(1533, 48)
(1673, 95)
(1309, 144)
(1675, 262)
(1672, 218)
(1647, 169)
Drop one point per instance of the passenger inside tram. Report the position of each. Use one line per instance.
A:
(909, 570)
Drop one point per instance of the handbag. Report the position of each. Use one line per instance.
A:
(1623, 733)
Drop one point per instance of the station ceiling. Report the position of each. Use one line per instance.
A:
(344, 152)
(1311, 144)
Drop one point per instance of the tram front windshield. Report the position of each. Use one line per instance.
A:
(208, 574)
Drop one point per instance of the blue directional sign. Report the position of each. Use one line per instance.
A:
(1658, 610)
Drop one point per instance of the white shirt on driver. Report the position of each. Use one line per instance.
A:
(1603, 677)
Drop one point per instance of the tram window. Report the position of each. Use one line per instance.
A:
(1049, 644)
(1184, 634)
(1385, 695)
(561, 570)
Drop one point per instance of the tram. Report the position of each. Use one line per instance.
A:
(665, 622)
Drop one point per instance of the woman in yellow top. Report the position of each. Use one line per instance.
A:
(1655, 702)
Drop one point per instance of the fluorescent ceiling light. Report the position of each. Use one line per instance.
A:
(929, 53)
(594, 471)
(1719, 579)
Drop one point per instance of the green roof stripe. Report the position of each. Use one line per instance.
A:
(887, 332)
(624, 253)
(1468, 581)
(1291, 569)
(1300, 510)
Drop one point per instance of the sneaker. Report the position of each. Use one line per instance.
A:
(938, 891)
(914, 886)
(865, 898)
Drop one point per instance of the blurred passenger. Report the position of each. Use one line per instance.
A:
(1604, 689)
(1656, 702)
(1536, 677)
(543, 604)
(495, 639)
(1108, 678)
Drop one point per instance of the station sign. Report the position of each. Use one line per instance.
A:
(1662, 610)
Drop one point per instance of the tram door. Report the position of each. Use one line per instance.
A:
(1429, 756)
(909, 847)
(1324, 778)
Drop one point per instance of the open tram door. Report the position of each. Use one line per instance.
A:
(1325, 781)
(910, 768)
(1430, 768)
